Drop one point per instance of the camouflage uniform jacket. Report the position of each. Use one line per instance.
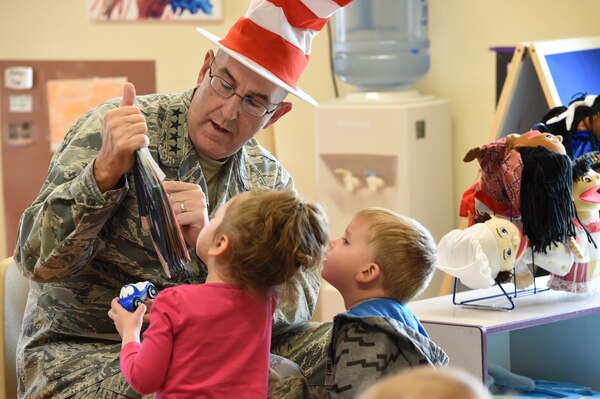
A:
(79, 247)
(364, 349)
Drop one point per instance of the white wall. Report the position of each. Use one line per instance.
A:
(462, 70)
(461, 32)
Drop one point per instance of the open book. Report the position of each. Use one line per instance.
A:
(157, 214)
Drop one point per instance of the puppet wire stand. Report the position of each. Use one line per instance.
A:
(509, 295)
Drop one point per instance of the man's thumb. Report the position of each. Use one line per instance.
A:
(128, 95)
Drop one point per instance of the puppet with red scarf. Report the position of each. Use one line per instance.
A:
(528, 179)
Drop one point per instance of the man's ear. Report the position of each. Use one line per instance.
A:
(283, 109)
(208, 58)
(219, 246)
(369, 273)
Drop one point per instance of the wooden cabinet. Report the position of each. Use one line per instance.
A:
(548, 335)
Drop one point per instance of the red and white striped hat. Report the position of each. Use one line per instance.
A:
(274, 38)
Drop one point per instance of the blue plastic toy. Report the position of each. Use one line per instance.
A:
(133, 295)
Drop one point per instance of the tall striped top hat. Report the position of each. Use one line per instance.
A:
(274, 38)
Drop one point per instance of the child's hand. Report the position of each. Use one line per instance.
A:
(148, 302)
(128, 324)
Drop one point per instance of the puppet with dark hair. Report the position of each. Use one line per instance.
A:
(547, 209)
(526, 176)
(582, 275)
(578, 123)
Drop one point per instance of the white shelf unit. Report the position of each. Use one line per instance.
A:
(551, 335)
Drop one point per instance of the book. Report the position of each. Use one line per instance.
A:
(157, 214)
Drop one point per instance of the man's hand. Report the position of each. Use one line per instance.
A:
(189, 204)
(124, 132)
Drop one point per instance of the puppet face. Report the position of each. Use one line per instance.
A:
(591, 124)
(596, 125)
(508, 239)
(535, 139)
(585, 192)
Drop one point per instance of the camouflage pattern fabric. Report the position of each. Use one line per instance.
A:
(306, 345)
(286, 379)
(364, 349)
(79, 247)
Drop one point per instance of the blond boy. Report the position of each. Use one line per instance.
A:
(382, 261)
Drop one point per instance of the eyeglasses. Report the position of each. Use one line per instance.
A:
(226, 90)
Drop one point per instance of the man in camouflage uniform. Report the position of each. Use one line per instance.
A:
(82, 238)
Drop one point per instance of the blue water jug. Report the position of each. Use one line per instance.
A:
(381, 45)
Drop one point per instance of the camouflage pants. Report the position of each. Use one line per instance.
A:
(305, 346)
(297, 368)
(114, 387)
(286, 380)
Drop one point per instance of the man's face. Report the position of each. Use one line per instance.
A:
(218, 126)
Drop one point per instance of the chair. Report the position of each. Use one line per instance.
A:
(13, 297)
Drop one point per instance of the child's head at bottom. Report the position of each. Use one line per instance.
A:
(428, 382)
(261, 238)
(381, 254)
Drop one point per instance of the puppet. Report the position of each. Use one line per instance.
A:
(582, 276)
(579, 124)
(501, 167)
(526, 176)
(558, 260)
(482, 254)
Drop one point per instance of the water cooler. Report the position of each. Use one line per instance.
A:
(384, 144)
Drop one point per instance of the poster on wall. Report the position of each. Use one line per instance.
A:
(68, 99)
(163, 10)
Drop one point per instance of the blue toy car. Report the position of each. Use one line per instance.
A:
(132, 295)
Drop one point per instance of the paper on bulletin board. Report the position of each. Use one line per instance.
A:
(69, 99)
(20, 103)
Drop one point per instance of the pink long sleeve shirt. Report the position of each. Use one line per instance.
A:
(204, 341)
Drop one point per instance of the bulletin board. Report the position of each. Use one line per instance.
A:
(543, 75)
(25, 127)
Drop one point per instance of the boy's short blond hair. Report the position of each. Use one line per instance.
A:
(428, 382)
(273, 234)
(403, 248)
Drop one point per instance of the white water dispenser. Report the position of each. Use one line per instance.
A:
(383, 144)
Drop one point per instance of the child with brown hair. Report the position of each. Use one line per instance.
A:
(382, 262)
(215, 337)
